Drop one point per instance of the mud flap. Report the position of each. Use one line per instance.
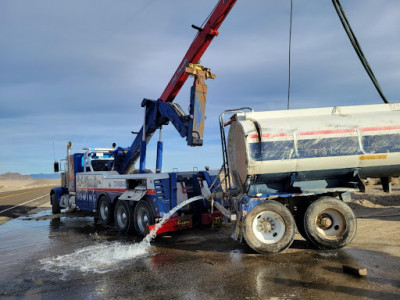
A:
(174, 224)
(237, 234)
(214, 219)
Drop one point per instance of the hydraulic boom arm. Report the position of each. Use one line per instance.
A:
(162, 111)
(197, 48)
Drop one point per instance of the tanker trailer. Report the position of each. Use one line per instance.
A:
(298, 167)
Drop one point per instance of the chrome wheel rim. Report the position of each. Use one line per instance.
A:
(268, 227)
(142, 219)
(122, 217)
(104, 212)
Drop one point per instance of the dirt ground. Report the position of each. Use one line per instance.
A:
(378, 215)
(16, 182)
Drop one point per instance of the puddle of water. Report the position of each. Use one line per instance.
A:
(105, 257)
(18, 239)
(327, 254)
(24, 238)
(236, 255)
(100, 258)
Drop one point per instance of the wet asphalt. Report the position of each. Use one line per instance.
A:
(75, 258)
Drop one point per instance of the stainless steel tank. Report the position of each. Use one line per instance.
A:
(315, 143)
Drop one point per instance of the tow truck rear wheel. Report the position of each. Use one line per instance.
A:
(143, 216)
(269, 227)
(55, 206)
(330, 223)
(104, 210)
(123, 215)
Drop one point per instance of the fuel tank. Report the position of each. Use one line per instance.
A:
(315, 144)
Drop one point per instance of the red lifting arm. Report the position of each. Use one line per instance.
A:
(197, 48)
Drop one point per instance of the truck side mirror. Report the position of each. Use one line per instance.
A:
(56, 167)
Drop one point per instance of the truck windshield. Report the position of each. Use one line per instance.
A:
(101, 164)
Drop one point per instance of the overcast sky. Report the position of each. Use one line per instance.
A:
(78, 70)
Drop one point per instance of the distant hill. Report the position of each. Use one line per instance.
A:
(18, 176)
(16, 182)
(14, 176)
(46, 176)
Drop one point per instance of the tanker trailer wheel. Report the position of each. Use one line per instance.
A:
(299, 218)
(104, 210)
(330, 223)
(55, 206)
(123, 216)
(269, 228)
(143, 216)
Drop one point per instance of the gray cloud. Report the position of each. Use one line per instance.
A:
(78, 70)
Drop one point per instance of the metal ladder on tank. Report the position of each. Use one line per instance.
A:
(222, 125)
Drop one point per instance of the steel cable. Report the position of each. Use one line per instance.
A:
(346, 25)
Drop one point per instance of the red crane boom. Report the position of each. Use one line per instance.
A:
(197, 48)
(160, 112)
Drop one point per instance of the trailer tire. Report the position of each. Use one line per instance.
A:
(330, 223)
(269, 227)
(104, 210)
(123, 216)
(299, 218)
(143, 216)
(55, 206)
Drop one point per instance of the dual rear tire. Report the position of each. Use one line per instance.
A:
(143, 217)
(328, 223)
(104, 210)
(129, 220)
(123, 216)
(269, 227)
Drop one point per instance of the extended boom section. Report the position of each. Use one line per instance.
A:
(197, 48)
(159, 113)
(191, 126)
